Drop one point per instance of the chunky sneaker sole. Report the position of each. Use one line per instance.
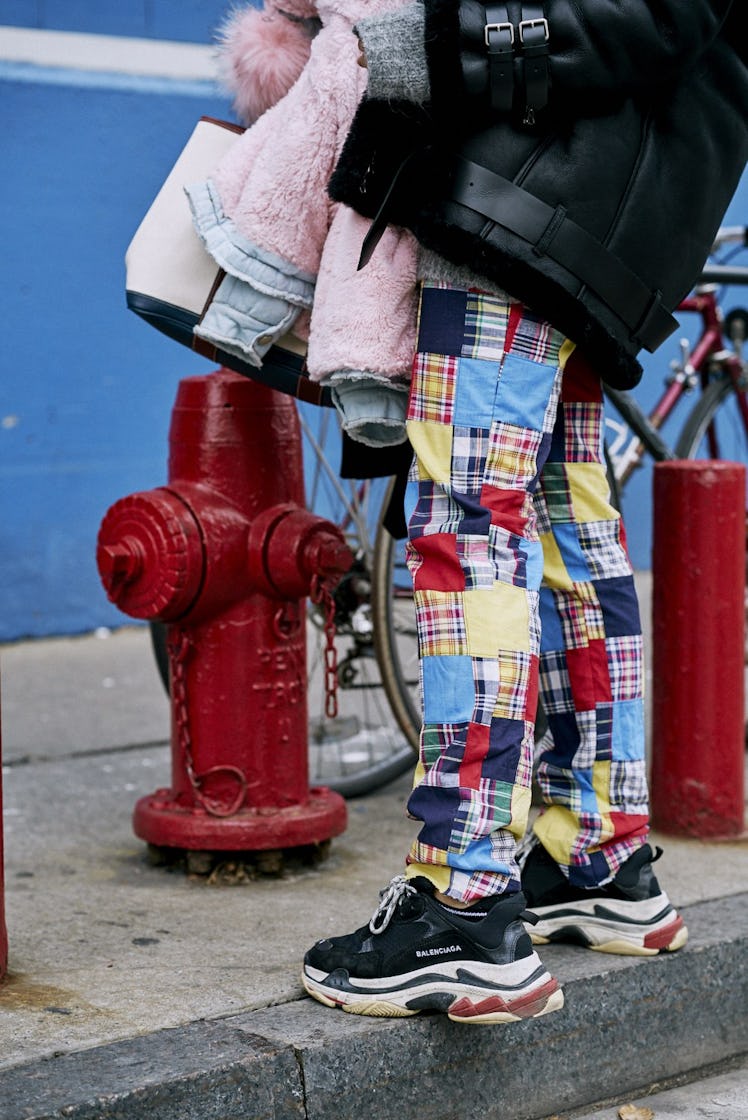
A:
(476, 965)
(630, 914)
(640, 928)
(468, 992)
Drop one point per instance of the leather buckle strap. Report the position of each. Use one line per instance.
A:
(492, 29)
(499, 38)
(534, 36)
(553, 234)
(503, 41)
(527, 26)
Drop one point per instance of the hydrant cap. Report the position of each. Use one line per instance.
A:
(150, 555)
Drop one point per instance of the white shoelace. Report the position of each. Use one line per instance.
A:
(388, 900)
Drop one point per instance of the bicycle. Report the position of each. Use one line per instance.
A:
(717, 425)
(375, 735)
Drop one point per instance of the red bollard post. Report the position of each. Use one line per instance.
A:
(698, 605)
(225, 554)
(3, 929)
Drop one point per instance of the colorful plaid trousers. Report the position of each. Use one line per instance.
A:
(508, 492)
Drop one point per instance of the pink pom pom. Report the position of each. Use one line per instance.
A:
(261, 54)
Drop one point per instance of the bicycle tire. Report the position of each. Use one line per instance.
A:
(702, 417)
(400, 685)
(613, 483)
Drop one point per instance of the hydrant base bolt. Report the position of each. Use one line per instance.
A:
(199, 863)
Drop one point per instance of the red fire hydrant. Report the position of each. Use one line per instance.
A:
(225, 554)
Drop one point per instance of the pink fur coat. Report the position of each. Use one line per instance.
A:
(268, 197)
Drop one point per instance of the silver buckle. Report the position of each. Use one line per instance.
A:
(499, 27)
(528, 23)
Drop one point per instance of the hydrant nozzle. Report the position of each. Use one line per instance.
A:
(120, 563)
(290, 547)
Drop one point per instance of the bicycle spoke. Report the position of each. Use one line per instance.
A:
(353, 514)
(362, 747)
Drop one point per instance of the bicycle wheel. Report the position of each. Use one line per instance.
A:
(714, 429)
(395, 635)
(363, 746)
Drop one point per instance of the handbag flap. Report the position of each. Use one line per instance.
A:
(166, 260)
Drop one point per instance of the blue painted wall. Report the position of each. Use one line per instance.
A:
(86, 389)
(189, 20)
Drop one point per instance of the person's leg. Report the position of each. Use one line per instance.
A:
(592, 768)
(482, 409)
(592, 773)
(483, 403)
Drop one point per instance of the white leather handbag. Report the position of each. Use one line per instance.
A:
(171, 278)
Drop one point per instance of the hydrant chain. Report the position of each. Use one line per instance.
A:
(322, 595)
(179, 646)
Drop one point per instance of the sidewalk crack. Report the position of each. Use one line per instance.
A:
(299, 1056)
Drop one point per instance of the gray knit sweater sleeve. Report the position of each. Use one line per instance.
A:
(396, 55)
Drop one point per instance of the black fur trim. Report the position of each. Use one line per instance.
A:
(382, 135)
(442, 41)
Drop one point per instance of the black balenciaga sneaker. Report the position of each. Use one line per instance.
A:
(418, 954)
(630, 915)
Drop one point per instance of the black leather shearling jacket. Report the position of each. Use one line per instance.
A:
(579, 154)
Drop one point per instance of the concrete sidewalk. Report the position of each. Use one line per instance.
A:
(136, 991)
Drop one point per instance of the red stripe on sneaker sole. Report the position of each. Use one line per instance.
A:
(524, 1007)
(661, 938)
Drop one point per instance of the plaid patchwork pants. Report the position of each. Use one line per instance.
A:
(521, 581)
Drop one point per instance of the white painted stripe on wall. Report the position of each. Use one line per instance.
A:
(157, 58)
